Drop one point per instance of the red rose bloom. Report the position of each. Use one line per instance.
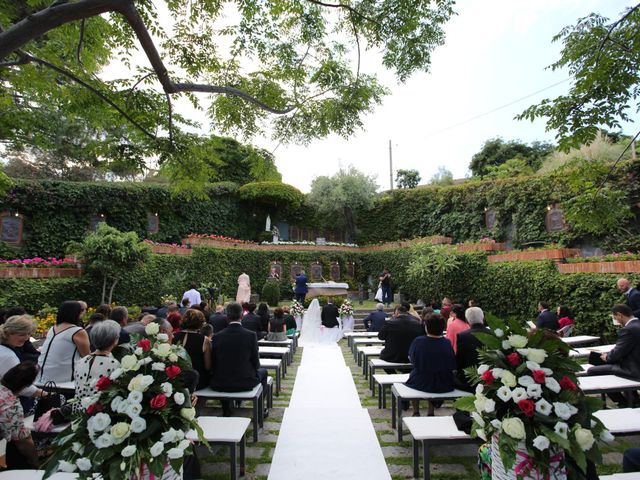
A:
(159, 401)
(172, 371)
(527, 406)
(567, 384)
(538, 376)
(488, 377)
(94, 408)
(514, 359)
(103, 383)
(144, 344)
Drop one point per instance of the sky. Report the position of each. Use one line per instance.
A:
(496, 52)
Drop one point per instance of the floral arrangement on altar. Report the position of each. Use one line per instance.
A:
(528, 404)
(346, 309)
(296, 309)
(136, 423)
(160, 244)
(219, 238)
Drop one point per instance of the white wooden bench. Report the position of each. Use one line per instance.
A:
(276, 365)
(621, 476)
(620, 421)
(400, 392)
(367, 351)
(580, 340)
(360, 342)
(608, 383)
(584, 352)
(255, 396)
(378, 363)
(383, 380)
(283, 353)
(288, 343)
(430, 431)
(350, 336)
(35, 475)
(230, 431)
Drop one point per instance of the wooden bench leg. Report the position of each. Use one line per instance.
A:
(255, 420)
(243, 445)
(416, 458)
(426, 475)
(393, 410)
(233, 453)
(372, 372)
(380, 396)
(399, 417)
(261, 409)
(384, 396)
(278, 379)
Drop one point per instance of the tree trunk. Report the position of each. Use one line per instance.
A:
(113, 285)
(104, 288)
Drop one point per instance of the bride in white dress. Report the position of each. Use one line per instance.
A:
(312, 332)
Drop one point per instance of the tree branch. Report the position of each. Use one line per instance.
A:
(346, 7)
(610, 31)
(140, 80)
(170, 119)
(80, 42)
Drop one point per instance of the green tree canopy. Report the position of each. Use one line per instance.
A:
(111, 254)
(272, 196)
(407, 178)
(291, 67)
(337, 199)
(603, 57)
(496, 151)
(441, 177)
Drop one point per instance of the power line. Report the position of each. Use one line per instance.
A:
(497, 108)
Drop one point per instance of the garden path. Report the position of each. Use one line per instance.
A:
(325, 432)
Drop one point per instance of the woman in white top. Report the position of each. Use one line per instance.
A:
(14, 334)
(99, 363)
(66, 343)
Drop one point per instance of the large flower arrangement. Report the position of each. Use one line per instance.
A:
(38, 262)
(137, 420)
(528, 400)
(296, 309)
(346, 309)
(219, 238)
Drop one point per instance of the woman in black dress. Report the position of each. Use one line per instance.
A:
(263, 313)
(196, 344)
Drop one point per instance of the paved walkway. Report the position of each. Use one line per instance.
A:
(325, 432)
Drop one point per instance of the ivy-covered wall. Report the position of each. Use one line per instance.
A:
(55, 212)
(458, 211)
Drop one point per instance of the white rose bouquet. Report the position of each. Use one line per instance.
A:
(296, 309)
(528, 400)
(136, 421)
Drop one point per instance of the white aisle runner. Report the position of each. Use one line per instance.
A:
(325, 432)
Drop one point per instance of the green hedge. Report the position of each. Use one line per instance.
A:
(56, 212)
(458, 211)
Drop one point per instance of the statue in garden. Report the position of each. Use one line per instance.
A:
(244, 289)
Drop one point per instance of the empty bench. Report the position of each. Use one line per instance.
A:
(378, 363)
(384, 380)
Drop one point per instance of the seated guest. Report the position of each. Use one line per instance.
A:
(207, 331)
(100, 362)
(277, 327)
(175, 319)
(565, 318)
(289, 321)
(546, 318)
(631, 460)
(120, 315)
(411, 311)
(375, 320)
(218, 320)
(184, 305)
(65, 344)
(468, 345)
(137, 327)
(445, 308)
(433, 362)
(398, 334)
(196, 344)
(103, 309)
(235, 360)
(632, 295)
(624, 359)
(15, 348)
(263, 313)
(168, 307)
(457, 325)
(253, 322)
(20, 451)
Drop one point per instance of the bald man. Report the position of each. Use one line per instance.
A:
(632, 295)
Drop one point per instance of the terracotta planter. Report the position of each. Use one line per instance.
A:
(481, 247)
(555, 254)
(169, 250)
(22, 272)
(625, 266)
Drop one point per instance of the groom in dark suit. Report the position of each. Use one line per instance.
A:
(235, 359)
(330, 315)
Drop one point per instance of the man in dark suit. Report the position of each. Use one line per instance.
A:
(218, 320)
(301, 289)
(398, 333)
(546, 318)
(235, 360)
(632, 296)
(624, 359)
(329, 315)
(252, 322)
(468, 345)
(375, 320)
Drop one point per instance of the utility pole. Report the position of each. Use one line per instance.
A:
(390, 167)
